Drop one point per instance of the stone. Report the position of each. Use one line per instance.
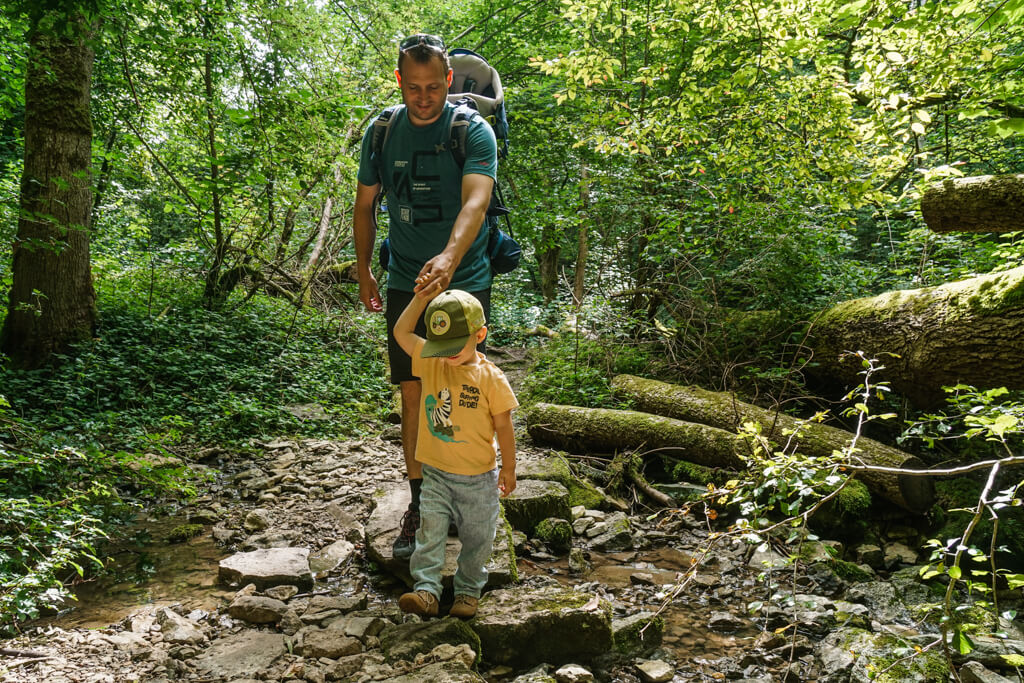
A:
(352, 664)
(269, 567)
(641, 579)
(282, 593)
(534, 501)
(241, 654)
(359, 627)
(290, 622)
(177, 629)
(256, 520)
(342, 603)
(767, 558)
(655, 671)
(815, 613)
(578, 564)
(880, 598)
(617, 535)
(573, 673)
(899, 554)
(638, 633)
(846, 653)
(556, 534)
(349, 526)
(382, 528)
(313, 642)
(451, 671)
(577, 511)
(580, 526)
(989, 651)
(257, 609)
(547, 625)
(725, 622)
(870, 555)
(330, 557)
(975, 672)
(555, 468)
(406, 641)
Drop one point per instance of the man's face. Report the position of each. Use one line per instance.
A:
(424, 88)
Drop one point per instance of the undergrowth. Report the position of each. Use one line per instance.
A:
(110, 425)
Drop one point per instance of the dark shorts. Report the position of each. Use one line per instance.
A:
(397, 300)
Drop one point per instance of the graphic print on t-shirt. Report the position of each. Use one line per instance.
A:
(439, 416)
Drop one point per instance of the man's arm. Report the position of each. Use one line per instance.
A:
(364, 234)
(476, 197)
(507, 443)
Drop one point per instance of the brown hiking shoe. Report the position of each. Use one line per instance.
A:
(464, 607)
(422, 603)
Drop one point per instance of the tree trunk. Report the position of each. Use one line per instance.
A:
(581, 253)
(970, 331)
(52, 302)
(603, 430)
(547, 262)
(724, 411)
(979, 204)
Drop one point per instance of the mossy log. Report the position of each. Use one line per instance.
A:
(970, 332)
(725, 411)
(605, 430)
(978, 204)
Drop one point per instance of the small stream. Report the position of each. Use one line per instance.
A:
(158, 572)
(145, 573)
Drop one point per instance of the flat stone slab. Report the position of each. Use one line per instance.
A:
(268, 568)
(241, 654)
(551, 625)
(382, 529)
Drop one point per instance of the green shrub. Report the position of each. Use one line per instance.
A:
(576, 371)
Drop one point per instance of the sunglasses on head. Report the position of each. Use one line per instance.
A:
(422, 39)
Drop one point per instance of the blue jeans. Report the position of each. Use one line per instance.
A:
(471, 501)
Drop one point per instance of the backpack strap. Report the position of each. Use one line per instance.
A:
(458, 132)
(381, 132)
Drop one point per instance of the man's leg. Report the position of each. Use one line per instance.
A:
(410, 426)
(401, 374)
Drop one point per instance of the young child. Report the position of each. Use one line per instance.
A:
(466, 402)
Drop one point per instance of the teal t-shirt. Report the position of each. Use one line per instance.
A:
(424, 194)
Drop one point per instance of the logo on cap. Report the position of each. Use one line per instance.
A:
(440, 323)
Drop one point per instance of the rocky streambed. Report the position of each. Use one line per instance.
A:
(302, 587)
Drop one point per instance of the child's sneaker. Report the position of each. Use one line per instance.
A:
(464, 607)
(422, 603)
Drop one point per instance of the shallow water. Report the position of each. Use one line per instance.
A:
(159, 572)
(152, 573)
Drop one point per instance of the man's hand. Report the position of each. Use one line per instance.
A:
(507, 480)
(369, 294)
(437, 272)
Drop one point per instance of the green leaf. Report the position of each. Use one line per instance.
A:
(962, 642)
(954, 572)
(1006, 127)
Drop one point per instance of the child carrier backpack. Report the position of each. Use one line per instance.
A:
(475, 89)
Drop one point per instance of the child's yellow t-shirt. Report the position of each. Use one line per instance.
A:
(458, 405)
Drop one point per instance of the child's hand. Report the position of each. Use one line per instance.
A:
(427, 292)
(507, 480)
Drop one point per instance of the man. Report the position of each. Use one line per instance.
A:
(435, 213)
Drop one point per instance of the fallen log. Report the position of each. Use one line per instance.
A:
(604, 430)
(977, 204)
(724, 411)
(969, 332)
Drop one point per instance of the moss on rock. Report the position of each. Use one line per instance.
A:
(184, 532)
(556, 533)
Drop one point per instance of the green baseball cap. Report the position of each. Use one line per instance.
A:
(451, 319)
